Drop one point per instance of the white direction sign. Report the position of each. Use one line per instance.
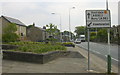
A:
(98, 18)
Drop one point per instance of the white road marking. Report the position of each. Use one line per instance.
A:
(112, 58)
(105, 55)
(97, 52)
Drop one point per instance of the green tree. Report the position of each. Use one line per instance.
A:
(9, 34)
(102, 35)
(80, 30)
(53, 31)
(93, 36)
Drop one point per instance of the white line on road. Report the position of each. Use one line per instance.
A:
(112, 58)
(97, 52)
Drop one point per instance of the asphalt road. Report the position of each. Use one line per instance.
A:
(102, 50)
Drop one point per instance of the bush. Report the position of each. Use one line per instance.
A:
(37, 47)
(9, 37)
(67, 43)
(9, 34)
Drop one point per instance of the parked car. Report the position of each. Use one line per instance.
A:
(77, 41)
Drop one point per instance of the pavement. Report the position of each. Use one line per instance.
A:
(60, 65)
(102, 49)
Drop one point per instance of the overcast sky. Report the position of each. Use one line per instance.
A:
(39, 11)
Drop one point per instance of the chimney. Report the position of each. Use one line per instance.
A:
(44, 27)
(33, 24)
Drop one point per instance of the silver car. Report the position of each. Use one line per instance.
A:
(77, 41)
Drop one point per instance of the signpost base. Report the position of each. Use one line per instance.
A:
(109, 64)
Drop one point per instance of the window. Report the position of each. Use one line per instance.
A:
(21, 34)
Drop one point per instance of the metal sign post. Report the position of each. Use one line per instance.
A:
(98, 19)
(88, 49)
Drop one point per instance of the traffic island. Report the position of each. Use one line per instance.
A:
(39, 58)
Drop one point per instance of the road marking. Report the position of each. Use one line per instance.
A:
(97, 52)
(105, 55)
(112, 58)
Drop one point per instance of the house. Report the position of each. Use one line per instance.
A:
(36, 34)
(21, 27)
(118, 30)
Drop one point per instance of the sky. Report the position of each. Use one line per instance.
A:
(39, 11)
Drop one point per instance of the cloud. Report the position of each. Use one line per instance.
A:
(57, 0)
(119, 12)
(40, 12)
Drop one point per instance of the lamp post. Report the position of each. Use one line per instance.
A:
(60, 26)
(70, 24)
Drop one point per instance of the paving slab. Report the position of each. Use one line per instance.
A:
(60, 65)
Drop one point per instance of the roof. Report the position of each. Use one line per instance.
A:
(41, 28)
(12, 20)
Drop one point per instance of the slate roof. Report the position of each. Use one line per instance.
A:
(12, 20)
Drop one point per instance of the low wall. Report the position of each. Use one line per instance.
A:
(39, 58)
(7, 47)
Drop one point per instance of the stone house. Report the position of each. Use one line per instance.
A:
(36, 34)
(118, 30)
(21, 27)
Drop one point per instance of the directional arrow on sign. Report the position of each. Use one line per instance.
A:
(88, 15)
(89, 24)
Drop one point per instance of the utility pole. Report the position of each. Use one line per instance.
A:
(60, 26)
(70, 23)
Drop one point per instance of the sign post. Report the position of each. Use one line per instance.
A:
(88, 49)
(99, 19)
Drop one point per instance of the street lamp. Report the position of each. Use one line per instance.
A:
(70, 24)
(60, 26)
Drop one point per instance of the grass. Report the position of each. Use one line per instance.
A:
(37, 47)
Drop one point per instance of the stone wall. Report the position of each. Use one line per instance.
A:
(8, 47)
(39, 58)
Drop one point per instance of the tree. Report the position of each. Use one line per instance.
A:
(80, 30)
(102, 35)
(53, 31)
(93, 36)
(9, 34)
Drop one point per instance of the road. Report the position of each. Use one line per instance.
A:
(101, 50)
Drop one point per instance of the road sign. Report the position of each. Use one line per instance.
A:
(98, 18)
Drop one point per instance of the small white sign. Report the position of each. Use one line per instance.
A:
(98, 18)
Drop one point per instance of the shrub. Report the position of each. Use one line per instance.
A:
(9, 34)
(67, 43)
(37, 47)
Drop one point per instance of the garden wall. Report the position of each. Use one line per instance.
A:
(39, 58)
(7, 47)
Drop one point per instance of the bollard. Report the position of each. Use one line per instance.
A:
(109, 64)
